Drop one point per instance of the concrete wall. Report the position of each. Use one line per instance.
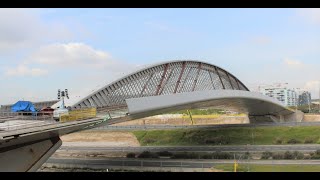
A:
(178, 120)
(311, 117)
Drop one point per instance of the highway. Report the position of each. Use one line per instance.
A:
(239, 148)
(194, 163)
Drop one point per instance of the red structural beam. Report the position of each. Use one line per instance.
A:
(197, 76)
(219, 77)
(145, 86)
(162, 78)
(181, 73)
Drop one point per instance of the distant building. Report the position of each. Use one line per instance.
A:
(304, 98)
(287, 96)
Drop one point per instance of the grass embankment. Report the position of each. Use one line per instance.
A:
(269, 168)
(230, 136)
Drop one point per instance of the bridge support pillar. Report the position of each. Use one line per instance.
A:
(27, 156)
(297, 116)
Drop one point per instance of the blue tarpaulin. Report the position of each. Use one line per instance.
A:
(23, 106)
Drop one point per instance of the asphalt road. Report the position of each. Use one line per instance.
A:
(240, 148)
(169, 162)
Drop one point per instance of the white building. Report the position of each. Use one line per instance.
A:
(285, 95)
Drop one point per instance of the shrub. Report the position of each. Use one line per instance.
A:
(147, 154)
(277, 156)
(309, 141)
(185, 155)
(131, 155)
(307, 156)
(206, 156)
(298, 155)
(315, 155)
(288, 155)
(266, 155)
(278, 141)
(218, 140)
(293, 141)
(149, 140)
(246, 155)
(222, 155)
(164, 153)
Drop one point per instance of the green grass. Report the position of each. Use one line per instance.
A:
(228, 136)
(269, 168)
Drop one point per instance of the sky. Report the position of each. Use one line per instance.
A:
(43, 50)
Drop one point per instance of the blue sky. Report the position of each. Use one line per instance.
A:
(42, 50)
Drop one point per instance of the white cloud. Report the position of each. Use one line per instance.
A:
(76, 55)
(71, 54)
(310, 14)
(293, 63)
(23, 28)
(23, 70)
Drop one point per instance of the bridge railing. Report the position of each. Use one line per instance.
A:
(6, 116)
(108, 112)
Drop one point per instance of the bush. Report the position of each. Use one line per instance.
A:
(288, 155)
(246, 155)
(309, 141)
(164, 153)
(315, 155)
(206, 156)
(185, 155)
(149, 140)
(277, 156)
(307, 156)
(222, 155)
(298, 155)
(266, 155)
(218, 140)
(147, 154)
(131, 155)
(278, 141)
(293, 141)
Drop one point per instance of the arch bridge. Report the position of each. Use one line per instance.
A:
(152, 90)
